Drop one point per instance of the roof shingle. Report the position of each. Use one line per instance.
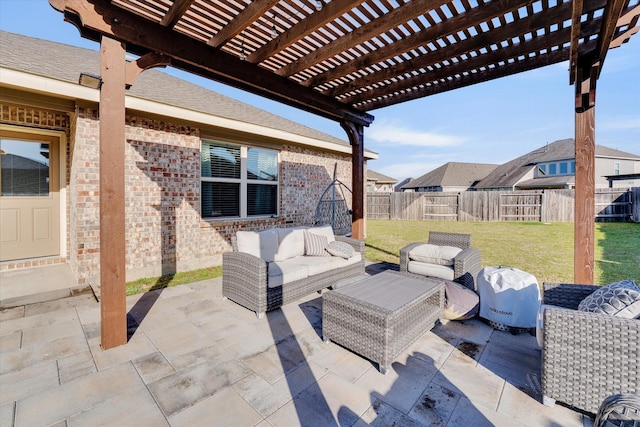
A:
(64, 62)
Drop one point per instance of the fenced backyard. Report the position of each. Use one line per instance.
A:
(612, 205)
(544, 250)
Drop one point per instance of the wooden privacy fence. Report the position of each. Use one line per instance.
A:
(612, 205)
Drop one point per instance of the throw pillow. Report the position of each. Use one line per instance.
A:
(341, 249)
(434, 254)
(461, 303)
(617, 299)
(315, 244)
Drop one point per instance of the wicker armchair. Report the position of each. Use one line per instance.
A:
(467, 264)
(619, 410)
(586, 356)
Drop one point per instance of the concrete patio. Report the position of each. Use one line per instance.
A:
(196, 359)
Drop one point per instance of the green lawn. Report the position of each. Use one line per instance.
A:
(544, 250)
(151, 284)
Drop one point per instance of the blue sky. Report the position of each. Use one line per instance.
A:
(491, 122)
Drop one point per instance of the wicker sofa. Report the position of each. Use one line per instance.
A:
(586, 356)
(269, 269)
(466, 265)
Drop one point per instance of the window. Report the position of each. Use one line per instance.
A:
(552, 169)
(573, 167)
(564, 168)
(542, 170)
(238, 181)
(25, 168)
(616, 168)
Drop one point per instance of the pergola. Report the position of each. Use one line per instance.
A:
(341, 59)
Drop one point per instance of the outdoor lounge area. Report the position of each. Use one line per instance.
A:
(194, 358)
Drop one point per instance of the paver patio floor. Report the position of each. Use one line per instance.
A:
(196, 359)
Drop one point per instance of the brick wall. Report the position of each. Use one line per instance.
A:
(84, 196)
(164, 231)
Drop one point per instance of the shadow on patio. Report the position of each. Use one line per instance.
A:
(196, 359)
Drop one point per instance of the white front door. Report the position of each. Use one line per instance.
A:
(29, 195)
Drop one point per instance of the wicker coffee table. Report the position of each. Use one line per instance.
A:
(380, 316)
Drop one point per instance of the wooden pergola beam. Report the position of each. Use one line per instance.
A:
(489, 61)
(175, 12)
(414, 41)
(99, 17)
(388, 21)
(525, 64)
(629, 18)
(509, 31)
(150, 60)
(305, 27)
(611, 20)
(248, 16)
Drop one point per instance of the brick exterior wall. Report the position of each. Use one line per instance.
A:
(164, 231)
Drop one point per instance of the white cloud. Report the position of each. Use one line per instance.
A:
(619, 123)
(392, 133)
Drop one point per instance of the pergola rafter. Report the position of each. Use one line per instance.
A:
(341, 59)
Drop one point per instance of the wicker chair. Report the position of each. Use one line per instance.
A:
(586, 356)
(619, 410)
(467, 264)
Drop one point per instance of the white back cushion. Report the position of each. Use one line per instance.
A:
(434, 254)
(323, 230)
(263, 244)
(290, 243)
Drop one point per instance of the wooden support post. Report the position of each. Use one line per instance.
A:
(355, 132)
(113, 315)
(584, 225)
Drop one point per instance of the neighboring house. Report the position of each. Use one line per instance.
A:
(379, 183)
(199, 166)
(553, 167)
(450, 177)
(398, 187)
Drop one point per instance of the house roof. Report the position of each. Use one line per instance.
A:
(380, 178)
(550, 181)
(452, 174)
(509, 174)
(65, 63)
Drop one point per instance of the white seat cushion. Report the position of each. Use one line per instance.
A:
(282, 272)
(427, 269)
(334, 262)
